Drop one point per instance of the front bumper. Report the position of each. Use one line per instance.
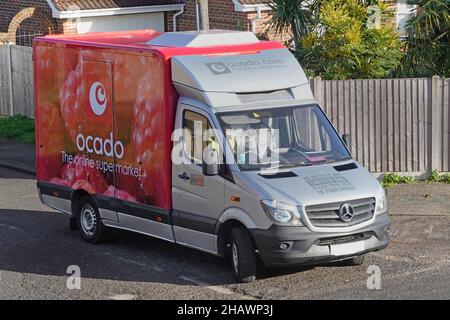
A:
(307, 247)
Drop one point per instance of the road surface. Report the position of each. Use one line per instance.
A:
(38, 252)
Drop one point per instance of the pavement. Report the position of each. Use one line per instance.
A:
(419, 199)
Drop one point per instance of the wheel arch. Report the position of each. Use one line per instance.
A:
(231, 218)
(75, 198)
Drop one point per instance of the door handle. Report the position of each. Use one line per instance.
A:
(184, 176)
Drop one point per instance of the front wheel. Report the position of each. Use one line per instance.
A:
(243, 257)
(89, 222)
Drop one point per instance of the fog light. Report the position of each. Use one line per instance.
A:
(284, 246)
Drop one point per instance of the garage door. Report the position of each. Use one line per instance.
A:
(122, 22)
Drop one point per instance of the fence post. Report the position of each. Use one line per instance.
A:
(436, 123)
(10, 74)
(318, 89)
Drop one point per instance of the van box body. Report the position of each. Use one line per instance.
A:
(137, 79)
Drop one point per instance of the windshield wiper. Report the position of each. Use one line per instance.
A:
(331, 160)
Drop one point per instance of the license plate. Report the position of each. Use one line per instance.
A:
(347, 248)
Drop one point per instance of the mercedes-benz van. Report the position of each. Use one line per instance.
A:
(211, 140)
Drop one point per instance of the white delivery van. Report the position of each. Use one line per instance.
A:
(273, 180)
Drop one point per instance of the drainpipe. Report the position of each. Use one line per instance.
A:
(174, 18)
(255, 20)
(204, 14)
(197, 15)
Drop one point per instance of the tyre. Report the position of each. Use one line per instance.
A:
(243, 257)
(356, 261)
(89, 222)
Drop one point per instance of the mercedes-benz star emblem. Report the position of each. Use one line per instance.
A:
(346, 212)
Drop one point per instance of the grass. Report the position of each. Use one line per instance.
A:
(17, 128)
(437, 177)
(391, 179)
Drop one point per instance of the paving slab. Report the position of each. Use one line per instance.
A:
(420, 198)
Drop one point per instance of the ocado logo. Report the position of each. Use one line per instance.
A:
(97, 98)
(218, 68)
(102, 147)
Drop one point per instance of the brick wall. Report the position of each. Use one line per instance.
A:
(69, 26)
(10, 8)
(223, 16)
(18, 17)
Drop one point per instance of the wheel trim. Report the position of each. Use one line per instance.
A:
(88, 220)
(235, 258)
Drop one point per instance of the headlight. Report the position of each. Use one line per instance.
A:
(381, 204)
(281, 212)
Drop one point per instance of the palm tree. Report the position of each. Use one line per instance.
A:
(294, 16)
(428, 38)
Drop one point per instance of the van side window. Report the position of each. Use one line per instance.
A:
(197, 134)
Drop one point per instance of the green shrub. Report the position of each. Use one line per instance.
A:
(342, 46)
(18, 128)
(437, 177)
(391, 179)
(427, 41)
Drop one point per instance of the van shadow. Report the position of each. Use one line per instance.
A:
(41, 243)
(10, 173)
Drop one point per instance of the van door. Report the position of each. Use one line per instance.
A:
(198, 200)
(97, 78)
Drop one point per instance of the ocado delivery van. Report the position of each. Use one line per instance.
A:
(212, 140)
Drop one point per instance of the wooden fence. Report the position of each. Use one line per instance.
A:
(16, 80)
(396, 125)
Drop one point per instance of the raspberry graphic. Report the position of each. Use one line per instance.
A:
(127, 182)
(50, 140)
(120, 194)
(60, 181)
(79, 170)
(84, 185)
(128, 70)
(146, 137)
(53, 65)
(74, 97)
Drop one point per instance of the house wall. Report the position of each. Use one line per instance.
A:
(152, 20)
(27, 17)
(222, 15)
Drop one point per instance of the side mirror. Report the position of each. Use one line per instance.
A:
(210, 166)
(346, 139)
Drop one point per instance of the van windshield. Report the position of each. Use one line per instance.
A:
(281, 137)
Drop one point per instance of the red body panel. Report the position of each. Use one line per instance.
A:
(105, 108)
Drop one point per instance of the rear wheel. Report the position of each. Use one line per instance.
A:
(89, 222)
(356, 261)
(243, 257)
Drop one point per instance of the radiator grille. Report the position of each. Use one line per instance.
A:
(327, 215)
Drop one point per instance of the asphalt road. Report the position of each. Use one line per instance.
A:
(36, 248)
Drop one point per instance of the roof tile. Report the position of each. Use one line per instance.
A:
(71, 5)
